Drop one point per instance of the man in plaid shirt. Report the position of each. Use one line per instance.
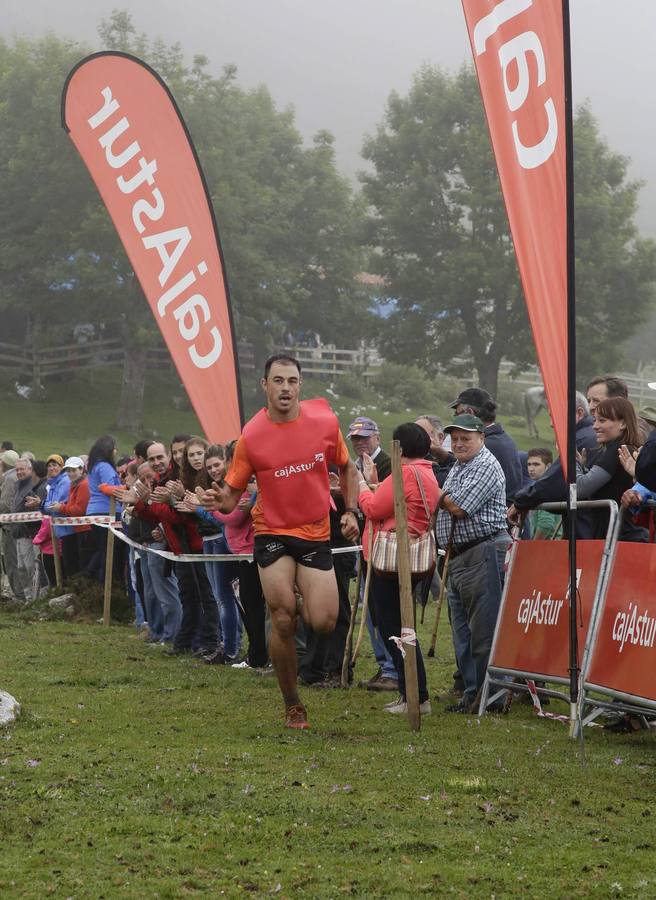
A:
(472, 514)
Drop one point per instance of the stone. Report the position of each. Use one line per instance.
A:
(60, 602)
(9, 708)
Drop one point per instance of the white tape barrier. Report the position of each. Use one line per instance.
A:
(108, 522)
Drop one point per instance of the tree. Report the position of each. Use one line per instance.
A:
(288, 220)
(439, 234)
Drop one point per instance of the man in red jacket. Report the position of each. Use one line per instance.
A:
(288, 446)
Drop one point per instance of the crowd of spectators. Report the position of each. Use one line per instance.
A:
(467, 479)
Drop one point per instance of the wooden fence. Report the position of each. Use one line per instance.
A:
(323, 362)
(34, 364)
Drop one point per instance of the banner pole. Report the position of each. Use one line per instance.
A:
(574, 671)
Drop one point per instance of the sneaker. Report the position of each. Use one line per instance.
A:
(240, 665)
(382, 682)
(401, 708)
(296, 717)
(202, 651)
(215, 657)
(329, 681)
(395, 702)
(463, 708)
(264, 671)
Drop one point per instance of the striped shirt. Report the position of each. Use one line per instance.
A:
(478, 487)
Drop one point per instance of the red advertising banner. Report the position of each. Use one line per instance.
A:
(519, 56)
(533, 628)
(624, 655)
(127, 128)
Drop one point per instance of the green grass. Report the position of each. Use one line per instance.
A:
(78, 411)
(132, 775)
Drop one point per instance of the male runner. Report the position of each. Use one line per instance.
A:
(288, 446)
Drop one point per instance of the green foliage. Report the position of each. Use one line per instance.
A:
(439, 234)
(289, 222)
(351, 385)
(403, 386)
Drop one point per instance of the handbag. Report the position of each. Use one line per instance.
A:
(423, 548)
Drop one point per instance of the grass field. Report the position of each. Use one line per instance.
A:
(133, 775)
(78, 411)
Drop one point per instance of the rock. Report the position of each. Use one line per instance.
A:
(70, 611)
(9, 708)
(60, 602)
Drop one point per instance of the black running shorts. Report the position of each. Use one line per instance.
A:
(271, 547)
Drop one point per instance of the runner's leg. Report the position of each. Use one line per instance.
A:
(318, 588)
(278, 587)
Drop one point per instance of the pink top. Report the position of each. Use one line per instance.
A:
(238, 530)
(378, 506)
(43, 538)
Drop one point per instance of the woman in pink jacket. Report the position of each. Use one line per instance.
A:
(378, 507)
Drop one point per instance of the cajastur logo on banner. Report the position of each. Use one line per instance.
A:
(540, 610)
(631, 628)
(516, 50)
(187, 312)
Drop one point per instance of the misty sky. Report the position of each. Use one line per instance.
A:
(336, 62)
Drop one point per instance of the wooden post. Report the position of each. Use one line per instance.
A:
(109, 565)
(55, 550)
(405, 589)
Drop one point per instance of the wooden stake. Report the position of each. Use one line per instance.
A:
(55, 550)
(109, 565)
(405, 589)
(346, 661)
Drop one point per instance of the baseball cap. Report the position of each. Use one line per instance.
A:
(9, 458)
(73, 462)
(472, 397)
(648, 413)
(55, 457)
(466, 422)
(363, 427)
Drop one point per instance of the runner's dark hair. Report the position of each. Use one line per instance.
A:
(281, 358)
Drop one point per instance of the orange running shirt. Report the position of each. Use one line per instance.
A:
(240, 473)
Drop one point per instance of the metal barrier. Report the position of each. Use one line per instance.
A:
(546, 659)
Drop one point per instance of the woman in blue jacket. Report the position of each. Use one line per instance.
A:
(57, 490)
(102, 470)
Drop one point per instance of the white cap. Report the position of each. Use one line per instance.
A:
(652, 385)
(73, 462)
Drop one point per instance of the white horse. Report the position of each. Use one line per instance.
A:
(535, 399)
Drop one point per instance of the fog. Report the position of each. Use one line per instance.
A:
(337, 62)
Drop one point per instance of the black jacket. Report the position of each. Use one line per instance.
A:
(505, 449)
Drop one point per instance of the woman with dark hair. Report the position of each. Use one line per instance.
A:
(192, 465)
(101, 466)
(220, 574)
(421, 494)
(615, 424)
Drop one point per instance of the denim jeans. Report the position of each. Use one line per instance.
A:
(200, 612)
(221, 576)
(383, 658)
(136, 587)
(387, 606)
(474, 594)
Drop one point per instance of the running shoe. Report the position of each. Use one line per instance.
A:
(215, 657)
(296, 717)
(401, 708)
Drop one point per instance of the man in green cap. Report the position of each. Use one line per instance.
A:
(472, 514)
